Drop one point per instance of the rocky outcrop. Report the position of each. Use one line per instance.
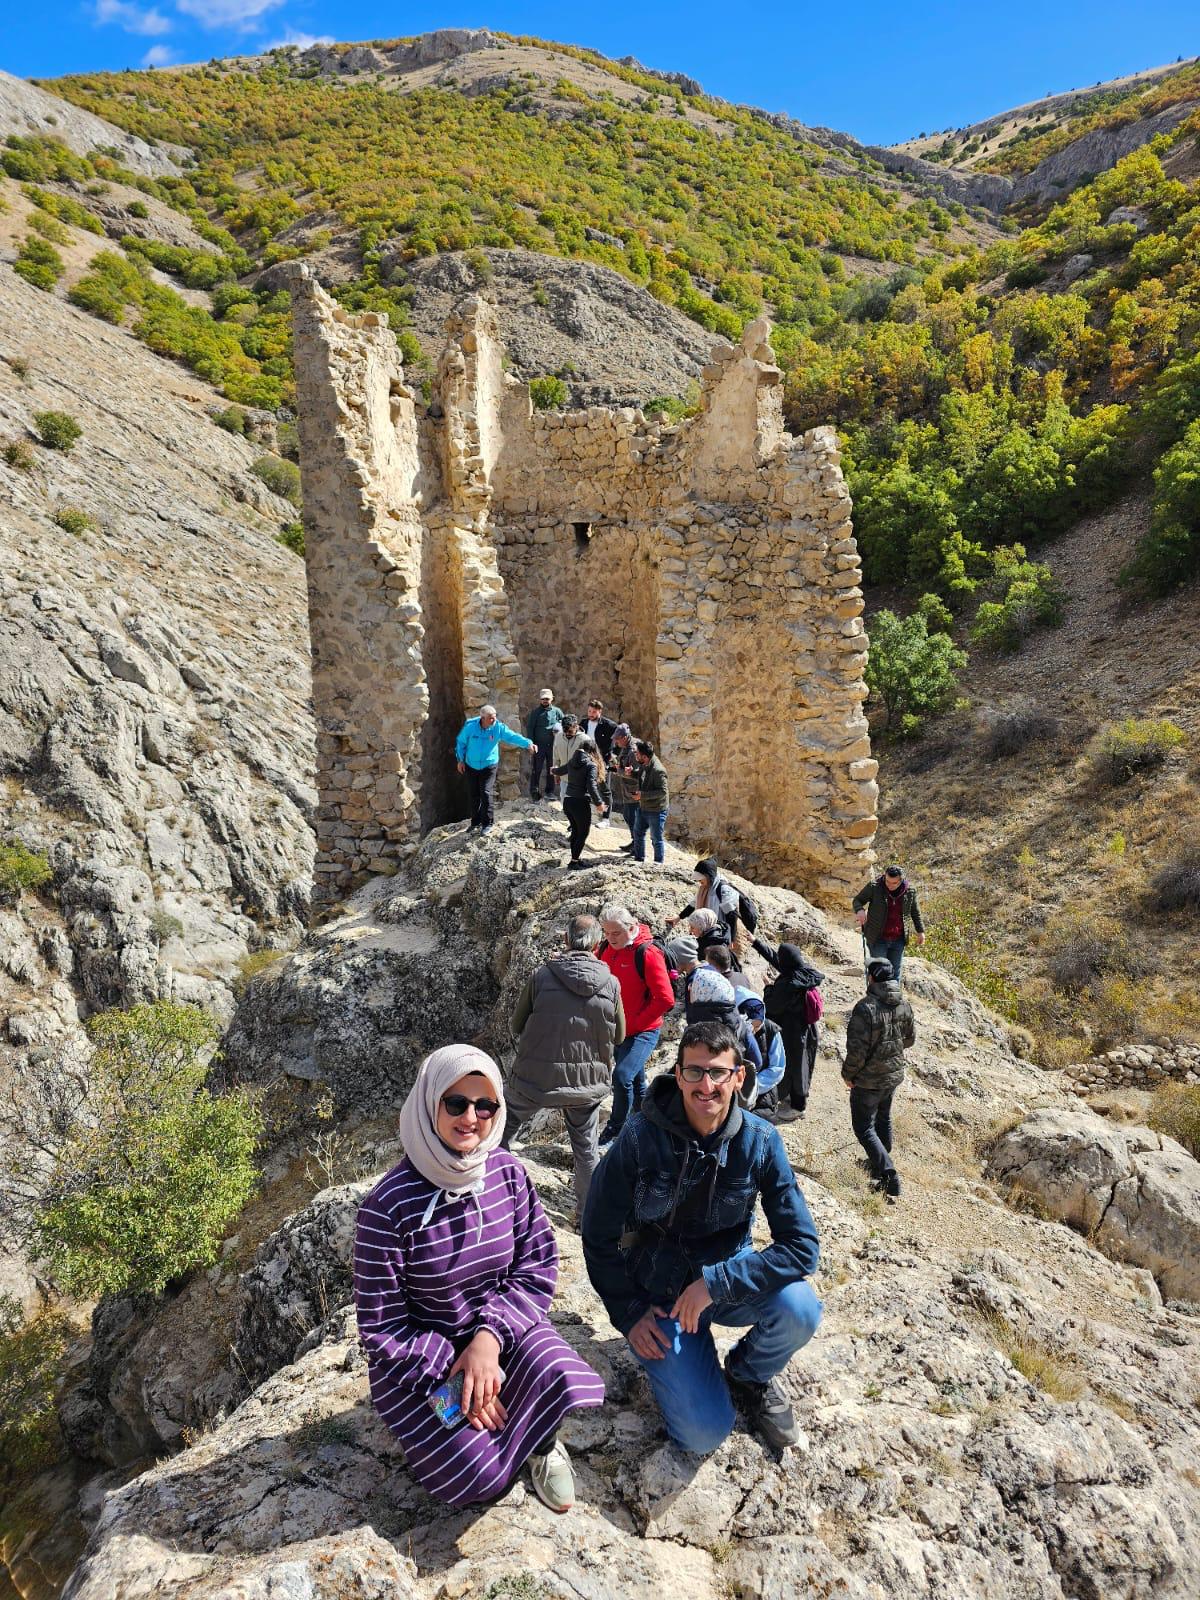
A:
(1136, 1193)
(25, 110)
(1095, 152)
(986, 189)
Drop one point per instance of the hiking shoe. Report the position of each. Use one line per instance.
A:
(787, 1114)
(766, 1406)
(890, 1184)
(553, 1480)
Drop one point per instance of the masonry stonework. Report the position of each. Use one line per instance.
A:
(701, 578)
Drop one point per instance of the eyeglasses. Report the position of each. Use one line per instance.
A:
(715, 1075)
(456, 1104)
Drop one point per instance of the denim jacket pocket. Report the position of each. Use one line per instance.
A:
(733, 1203)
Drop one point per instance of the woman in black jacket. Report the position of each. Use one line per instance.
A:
(582, 793)
(788, 1006)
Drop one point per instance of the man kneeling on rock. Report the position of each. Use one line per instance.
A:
(666, 1237)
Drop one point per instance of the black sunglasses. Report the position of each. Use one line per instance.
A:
(456, 1104)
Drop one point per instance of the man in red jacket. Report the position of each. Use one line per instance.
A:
(646, 997)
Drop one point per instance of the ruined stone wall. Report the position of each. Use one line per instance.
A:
(702, 578)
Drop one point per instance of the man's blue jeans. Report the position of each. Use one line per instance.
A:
(653, 822)
(688, 1382)
(629, 811)
(629, 1078)
(890, 950)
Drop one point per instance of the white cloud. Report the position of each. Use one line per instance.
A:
(159, 55)
(132, 18)
(240, 14)
(302, 41)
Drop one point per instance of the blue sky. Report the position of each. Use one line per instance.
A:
(874, 70)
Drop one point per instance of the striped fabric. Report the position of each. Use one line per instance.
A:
(481, 1261)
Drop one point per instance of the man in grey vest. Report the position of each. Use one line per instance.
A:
(567, 1023)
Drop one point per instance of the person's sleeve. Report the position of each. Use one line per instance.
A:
(560, 772)
(606, 1213)
(460, 744)
(908, 1026)
(862, 897)
(523, 1008)
(773, 1067)
(522, 1296)
(767, 951)
(418, 1358)
(619, 1037)
(687, 911)
(858, 1042)
(658, 980)
(593, 788)
(507, 736)
(529, 725)
(918, 921)
(752, 1050)
(793, 1251)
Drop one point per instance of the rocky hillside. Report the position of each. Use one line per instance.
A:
(987, 1390)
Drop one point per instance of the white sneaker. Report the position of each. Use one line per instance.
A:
(553, 1480)
(602, 822)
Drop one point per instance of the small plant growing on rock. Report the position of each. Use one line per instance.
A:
(1136, 745)
(21, 869)
(39, 263)
(138, 208)
(251, 964)
(164, 926)
(548, 394)
(291, 536)
(57, 430)
(17, 454)
(232, 419)
(72, 520)
(281, 477)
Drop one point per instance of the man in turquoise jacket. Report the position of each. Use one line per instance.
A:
(478, 750)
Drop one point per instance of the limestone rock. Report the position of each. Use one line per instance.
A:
(1136, 1192)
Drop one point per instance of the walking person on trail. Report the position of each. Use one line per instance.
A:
(579, 797)
(540, 728)
(601, 728)
(568, 736)
(568, 1023)
(477, 750)
(880, 1027)
(621, 781)
(454, 1271)
(667, 1242)
(793, 1001)
(652, 799)
(716, 894)
(646, 995)
(886, 909)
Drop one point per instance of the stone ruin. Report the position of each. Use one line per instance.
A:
(462, 547)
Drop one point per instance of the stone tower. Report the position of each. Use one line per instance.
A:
(701, 578)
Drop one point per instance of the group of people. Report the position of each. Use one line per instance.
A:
(456, 1264)
(598, 764)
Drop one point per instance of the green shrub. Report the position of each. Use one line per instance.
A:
(1169, 554)
(232, 419)
(1085, 947)
(143, 1190)
(57, 430)
(1136, 745)
(16, 453)
(962, 938)
(291, 536)
(1175, 1111)
(548, 394)
(39, 263)
(72, 520)
(138, 208)
(1030, 596)
(911, 672)
(21, 869)
(281, 477)
(48, 227)
(31, 1362)
(287, 437)
(99, 296)
(164, 926)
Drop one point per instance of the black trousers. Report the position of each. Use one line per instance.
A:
(801, 1055)
(579, 814)
(481, 783)
(539, 760)
(871, 1119)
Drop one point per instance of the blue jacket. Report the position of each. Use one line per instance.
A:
(480, 747)
(666, 1207)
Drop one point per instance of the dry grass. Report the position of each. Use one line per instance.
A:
(1054, 1375)
(1175, 1111)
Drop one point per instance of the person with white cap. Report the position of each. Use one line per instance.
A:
(539, 730)
(454, 1270)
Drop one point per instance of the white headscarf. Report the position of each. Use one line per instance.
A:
(451, 1171)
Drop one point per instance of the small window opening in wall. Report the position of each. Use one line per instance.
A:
(583, 534)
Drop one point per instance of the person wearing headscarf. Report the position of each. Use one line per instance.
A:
(454, 1270)
(716, 894)
(793, 1002)
(706, 928)
(709, 997)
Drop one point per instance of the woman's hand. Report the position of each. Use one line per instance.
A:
(482, 1375)
(489, 1417)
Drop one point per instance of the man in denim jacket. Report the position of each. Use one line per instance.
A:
(666, 1237)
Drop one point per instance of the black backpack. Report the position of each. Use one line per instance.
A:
(747, 912)
(639, 964)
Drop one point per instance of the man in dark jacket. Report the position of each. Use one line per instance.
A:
(666, 1238)
(568, 1023)
(652, 800)
(540, 727)
(880, 1026)
(790, 1006)
(601, 729)
(886, 909)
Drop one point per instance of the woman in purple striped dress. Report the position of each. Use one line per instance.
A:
(454, 1268)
